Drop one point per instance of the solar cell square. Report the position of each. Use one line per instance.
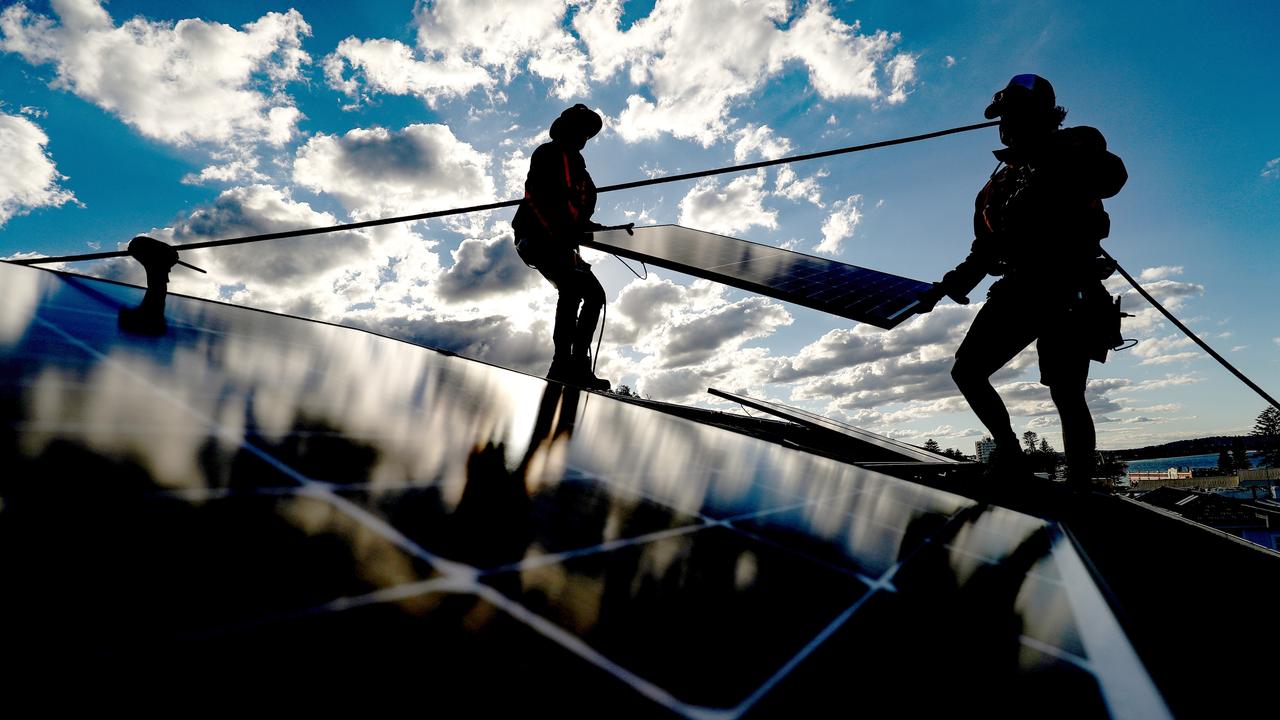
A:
(710, 616)
(849, 291)
(963, 652)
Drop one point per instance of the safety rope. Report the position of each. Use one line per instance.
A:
(511, 203)
(645, 183)
(1187, 331)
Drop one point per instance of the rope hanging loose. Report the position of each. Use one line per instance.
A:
(512, 203)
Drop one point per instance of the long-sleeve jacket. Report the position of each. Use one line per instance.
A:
(559, 196)
(1039, 220)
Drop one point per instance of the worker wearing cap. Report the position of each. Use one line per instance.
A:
(1038, 224)
(557, 207)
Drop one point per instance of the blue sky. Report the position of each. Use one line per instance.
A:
(214, 119)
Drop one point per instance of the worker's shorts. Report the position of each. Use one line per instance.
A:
(1007, 324)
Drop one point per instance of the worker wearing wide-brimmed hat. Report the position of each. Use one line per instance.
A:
(1038, 224)
(558, 202)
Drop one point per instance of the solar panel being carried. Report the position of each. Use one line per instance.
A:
(849, 291)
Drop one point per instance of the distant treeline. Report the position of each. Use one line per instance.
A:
(1199, 446)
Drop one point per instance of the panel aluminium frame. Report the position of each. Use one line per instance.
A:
(813, 420)
(848, 291)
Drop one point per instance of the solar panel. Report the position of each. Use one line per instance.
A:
(258, 497)
(804, 417)
(849, 291)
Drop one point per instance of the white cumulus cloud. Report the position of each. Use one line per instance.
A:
(790, 186)
(737, 206)
(840, 225)
(699, 58)
(759, 141)
(362, 68)
(28, 177)
(181, 83)
(902, 73)
(377, 171)
(463, 45)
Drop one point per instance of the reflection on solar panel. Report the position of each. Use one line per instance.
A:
(255, 502)
(804, 417)
(833, 287)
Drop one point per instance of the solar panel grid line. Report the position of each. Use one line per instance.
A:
(988, 560)
(860, 577)
(579, 647)
(455, 571)
(1057, 652)
(390, 594)
(388, 532)
(1125, 684)
(564, 638)
(800, 657)
(761, 514)
(537, 561)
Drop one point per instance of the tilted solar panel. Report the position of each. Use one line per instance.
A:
(804, 417)
(831, 286)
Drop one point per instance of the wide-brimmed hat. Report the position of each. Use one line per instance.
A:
(1026, 91)
(578, 120)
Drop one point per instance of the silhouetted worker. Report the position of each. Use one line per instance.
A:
(1038, 223)
(558, 202)
(157, 259)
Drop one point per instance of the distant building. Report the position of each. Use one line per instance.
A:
(1181, 479)
(1153, 475)
(984, 447)
(1257, 522)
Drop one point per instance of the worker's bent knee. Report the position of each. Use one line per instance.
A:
(967, 373)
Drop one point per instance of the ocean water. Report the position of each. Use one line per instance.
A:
(1186, 462)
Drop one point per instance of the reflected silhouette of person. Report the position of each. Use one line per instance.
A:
(556, 211)
(970, 620)
(493, 524)
(1038, 224)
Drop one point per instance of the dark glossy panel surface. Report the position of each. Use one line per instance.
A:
(831, 286)
(914, 655)
(449, 655)
(865, 533)
(279, 494)
(497, 520)
(112, 573)
(721, 608)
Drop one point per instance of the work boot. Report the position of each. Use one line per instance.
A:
(562, 370)
(1007, 464)
(585, 377)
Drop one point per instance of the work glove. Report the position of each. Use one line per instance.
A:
(929, 298)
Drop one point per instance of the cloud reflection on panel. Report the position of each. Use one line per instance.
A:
(19, 296)
(339, 406)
